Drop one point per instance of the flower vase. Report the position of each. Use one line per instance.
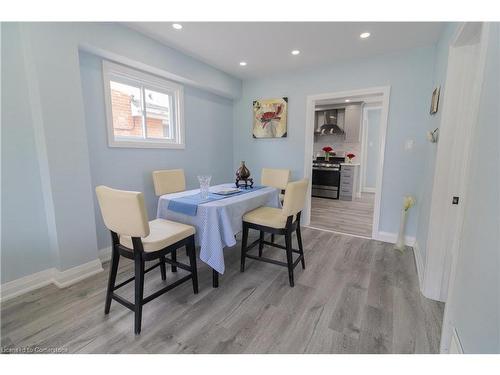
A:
(327, 156)
(400, 242)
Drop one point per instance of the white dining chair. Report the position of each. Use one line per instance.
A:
(169, 181)
(281, 221)
(277, 178)
(136, 238)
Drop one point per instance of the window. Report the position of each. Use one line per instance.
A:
(142, 110)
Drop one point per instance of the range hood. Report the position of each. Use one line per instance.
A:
(327, 122)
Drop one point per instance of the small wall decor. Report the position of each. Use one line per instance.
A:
(432, 136)
(270, 118)
(435, 100)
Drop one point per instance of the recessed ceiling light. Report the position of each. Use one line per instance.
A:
(347, 100)
(295, 52)
(364, 35)
(243, 63)
(177, 26)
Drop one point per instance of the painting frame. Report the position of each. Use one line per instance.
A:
(270, 118)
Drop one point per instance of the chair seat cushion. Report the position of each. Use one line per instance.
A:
(162, 233)
(266, 216)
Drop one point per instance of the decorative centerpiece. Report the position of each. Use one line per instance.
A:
(408, 202)
(350, 156)
(328, 150)
(243, 177)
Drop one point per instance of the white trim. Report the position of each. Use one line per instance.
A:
(384, 92)
(147, 81)
(368, 190)
(381, 236)
(455, 344)
(392, 238)
(49, 276)
(334, 231)
(417, 252)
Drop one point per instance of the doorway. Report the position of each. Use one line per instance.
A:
(350, 122)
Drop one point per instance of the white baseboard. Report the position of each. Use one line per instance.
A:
(392, 237)
(62, 279)
(54, 276)
(420, 264)
(105, 254)
(455, 344)
(26, 284)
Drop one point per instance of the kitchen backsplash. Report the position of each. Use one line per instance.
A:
(339, 146)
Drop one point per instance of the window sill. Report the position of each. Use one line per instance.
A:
(138, 144)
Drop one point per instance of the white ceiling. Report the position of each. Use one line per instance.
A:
(266, 46)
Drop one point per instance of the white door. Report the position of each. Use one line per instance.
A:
(462, 89)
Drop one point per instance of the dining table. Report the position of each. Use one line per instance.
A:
(217, 219)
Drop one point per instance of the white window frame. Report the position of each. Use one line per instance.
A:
(123, 74)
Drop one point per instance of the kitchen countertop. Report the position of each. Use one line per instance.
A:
(354, 164)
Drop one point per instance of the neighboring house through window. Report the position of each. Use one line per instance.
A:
(143, 110)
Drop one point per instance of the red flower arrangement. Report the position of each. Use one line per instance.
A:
(350, 156)
(327, 149)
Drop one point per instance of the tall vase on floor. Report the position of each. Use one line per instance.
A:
(408, 202)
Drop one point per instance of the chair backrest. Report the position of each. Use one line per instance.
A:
(123, 212)
(169, 181)
(277, 178)
(295, 197)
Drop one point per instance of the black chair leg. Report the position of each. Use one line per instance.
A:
(272, 237)
(261, 242)
(115, 258)
(192, 262)
(139, 291)
(301, 249)
(215, 279)
(244, 247)
(174, 258)
(289, 258)
(163, 268)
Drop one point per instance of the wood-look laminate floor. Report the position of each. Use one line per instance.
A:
(351, 217)
(355, 296)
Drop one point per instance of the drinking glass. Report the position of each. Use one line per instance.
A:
(204, 185)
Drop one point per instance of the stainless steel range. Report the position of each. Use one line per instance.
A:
(326, 177)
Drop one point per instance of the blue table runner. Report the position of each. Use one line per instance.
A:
(188, 204)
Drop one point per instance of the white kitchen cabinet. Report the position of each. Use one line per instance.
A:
(352, 123)
(349, 181)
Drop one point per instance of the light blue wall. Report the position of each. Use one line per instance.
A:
(429, 149)
(410, 76)
(53, 77)
(475, 297)
(209, 134)
(25, 242)
(373, 117)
